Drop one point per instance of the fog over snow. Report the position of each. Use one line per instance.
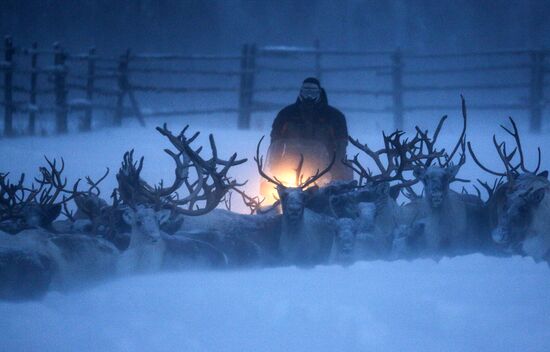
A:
(470, 303)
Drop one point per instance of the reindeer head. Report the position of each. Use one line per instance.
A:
(32, 207)
(293, 199)
(348, 204)
(438, 178)
(89, 203)
(516, 210)
(436, 181)
(344, 205)
(40, 215)
(415, 154)
(145, 223)
(517, 200)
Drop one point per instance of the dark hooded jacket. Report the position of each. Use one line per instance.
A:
(320, 122)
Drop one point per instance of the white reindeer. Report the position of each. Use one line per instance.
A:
(146, 250)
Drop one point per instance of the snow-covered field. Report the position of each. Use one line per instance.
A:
(464, 304)
(470, 303)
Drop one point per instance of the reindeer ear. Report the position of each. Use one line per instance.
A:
(163, 216)
(128, 216)
(281, 191)
(537, 196)
(419, 172)
(312, 190)
(452, 171)
(383, 188)
(335, 200)
(544, 174)
(51, 213)
(394, 192)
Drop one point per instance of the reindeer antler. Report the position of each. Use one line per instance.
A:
(400, 155)
(488, 188)
(318, 174)
(506, 157)
(253, 203)
(14, 195)
(517, 139)
(299, 176)
(209, 188)
(260, 164)
(461, 144)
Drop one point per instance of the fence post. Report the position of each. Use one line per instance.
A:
(317, 47)
(8, 86)
(32, 93)
(122, 87)
(60, 81)
(397, 89)
(87, 123)
(244, 108)
(536, 90)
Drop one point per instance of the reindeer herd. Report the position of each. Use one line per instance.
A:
(146, 226)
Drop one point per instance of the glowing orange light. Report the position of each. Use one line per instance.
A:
(286, 173)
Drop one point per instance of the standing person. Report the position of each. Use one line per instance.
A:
(311, 118)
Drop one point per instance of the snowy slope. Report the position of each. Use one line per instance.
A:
(470, 303)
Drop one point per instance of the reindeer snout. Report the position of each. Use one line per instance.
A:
(294, 213)
(437, 197)
(500, 235)
(294, 208)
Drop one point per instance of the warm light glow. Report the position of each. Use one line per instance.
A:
(286, 173)
(269, 192)
(288, 178)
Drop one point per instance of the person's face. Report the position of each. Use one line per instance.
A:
(310, 92)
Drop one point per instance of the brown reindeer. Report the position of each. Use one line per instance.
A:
(306, 237)
(446, 220)
(22, 207)
(374, 204)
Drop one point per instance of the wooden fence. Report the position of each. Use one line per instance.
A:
(53, 81)
(517, 76)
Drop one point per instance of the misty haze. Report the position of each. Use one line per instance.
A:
(274, 175)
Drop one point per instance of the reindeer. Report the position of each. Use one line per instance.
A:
(22, 207)
(443, 217)
(373, 204)
(150, 208)
(146, 249)
(151, 249)
(73, 256)
(89, 208)
(519, 208)
(306, 237)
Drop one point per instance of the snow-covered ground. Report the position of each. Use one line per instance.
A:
(470, 303)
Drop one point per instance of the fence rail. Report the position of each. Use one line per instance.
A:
(40, 81)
